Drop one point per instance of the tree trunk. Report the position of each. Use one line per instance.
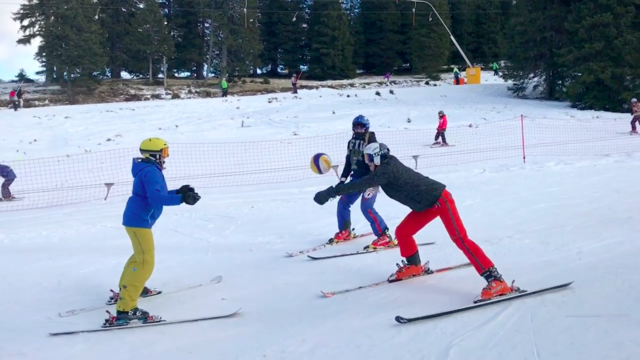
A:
(49, 74)
(210, 52)
(223, 59)
(150, 69)
(69, 88)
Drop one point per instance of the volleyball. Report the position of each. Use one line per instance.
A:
(321, 163)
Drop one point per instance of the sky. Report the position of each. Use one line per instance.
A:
(13, 57)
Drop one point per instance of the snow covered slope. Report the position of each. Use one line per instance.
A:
(552, 220)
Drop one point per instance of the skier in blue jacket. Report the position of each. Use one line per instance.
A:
(144, 207)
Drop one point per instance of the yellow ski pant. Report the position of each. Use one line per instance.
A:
(138, 268)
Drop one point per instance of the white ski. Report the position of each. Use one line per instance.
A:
(74, 312)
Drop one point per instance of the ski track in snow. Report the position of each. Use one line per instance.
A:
(533, 337)
(548, 221)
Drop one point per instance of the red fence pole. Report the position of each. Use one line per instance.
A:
(524, 156)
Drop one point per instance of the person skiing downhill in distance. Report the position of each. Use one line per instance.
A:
(427, 199)
(9, 176)
(356, 167)
(143, 209)
(635, 111)
(442, 128)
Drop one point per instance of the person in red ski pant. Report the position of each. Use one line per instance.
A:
(428, 199)
(442, 128)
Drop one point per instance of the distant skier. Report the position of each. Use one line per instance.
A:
(13, 100)
(495, 68)
(20, 95)
(387, 77)
(224, 87)
(294, 83)
(7, 173)
(442, 128)
(357, 168)
(143, 208)
(428, 199)
(456, 75)
(635, 111)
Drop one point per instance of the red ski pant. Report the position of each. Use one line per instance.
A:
(446, 209)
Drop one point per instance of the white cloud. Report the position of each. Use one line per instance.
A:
(14, 57)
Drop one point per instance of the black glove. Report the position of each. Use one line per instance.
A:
(185, 189)
(190, 198)
(323, 196)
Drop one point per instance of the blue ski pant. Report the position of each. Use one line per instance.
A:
(367, 202)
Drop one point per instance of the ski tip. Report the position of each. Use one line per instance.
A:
(401, 320)
(327, 294)
(71, 313)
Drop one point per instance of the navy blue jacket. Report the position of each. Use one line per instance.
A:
(354, 163)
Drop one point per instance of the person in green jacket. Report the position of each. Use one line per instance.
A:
(494, 66)
(456, 75)
(224, 86)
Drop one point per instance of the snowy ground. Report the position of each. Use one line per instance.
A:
(549, 221)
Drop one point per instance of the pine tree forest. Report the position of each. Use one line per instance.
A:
(580, 51)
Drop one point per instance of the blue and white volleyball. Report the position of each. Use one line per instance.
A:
(320, 163)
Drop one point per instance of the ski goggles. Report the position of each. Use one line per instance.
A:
(164, 152)
(359, 128)
(368, 158)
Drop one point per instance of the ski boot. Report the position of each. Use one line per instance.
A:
(633, 132)
(124, 318)
(496, 286)
(383, 240)
(146, 292)
(436, 143)
(410, 268)
(341, 236)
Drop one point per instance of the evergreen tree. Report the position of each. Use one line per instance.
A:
(506, 12)
(381, 40)
(34, 17)
(462, 18)
(236, 45)
(331, 46)
(356, 30)
(405, 29)
(149, 40)
(478, 29)
(536, 37)
(247, 46)
(73, 39)
(188, 25)
(429, 45)
(115, 20)
(486, 35)
(600, 56)
(22, 76)
(283, 28)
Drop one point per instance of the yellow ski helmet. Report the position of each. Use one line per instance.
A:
(154, 148)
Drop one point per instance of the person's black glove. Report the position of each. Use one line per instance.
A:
(323, 196)
(190, 198)
(185, 189)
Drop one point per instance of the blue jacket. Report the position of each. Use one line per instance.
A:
(149, 195)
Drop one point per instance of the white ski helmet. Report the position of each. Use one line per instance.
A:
(376, 153)
(634, 100)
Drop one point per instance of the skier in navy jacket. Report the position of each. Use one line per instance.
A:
(357, 168)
